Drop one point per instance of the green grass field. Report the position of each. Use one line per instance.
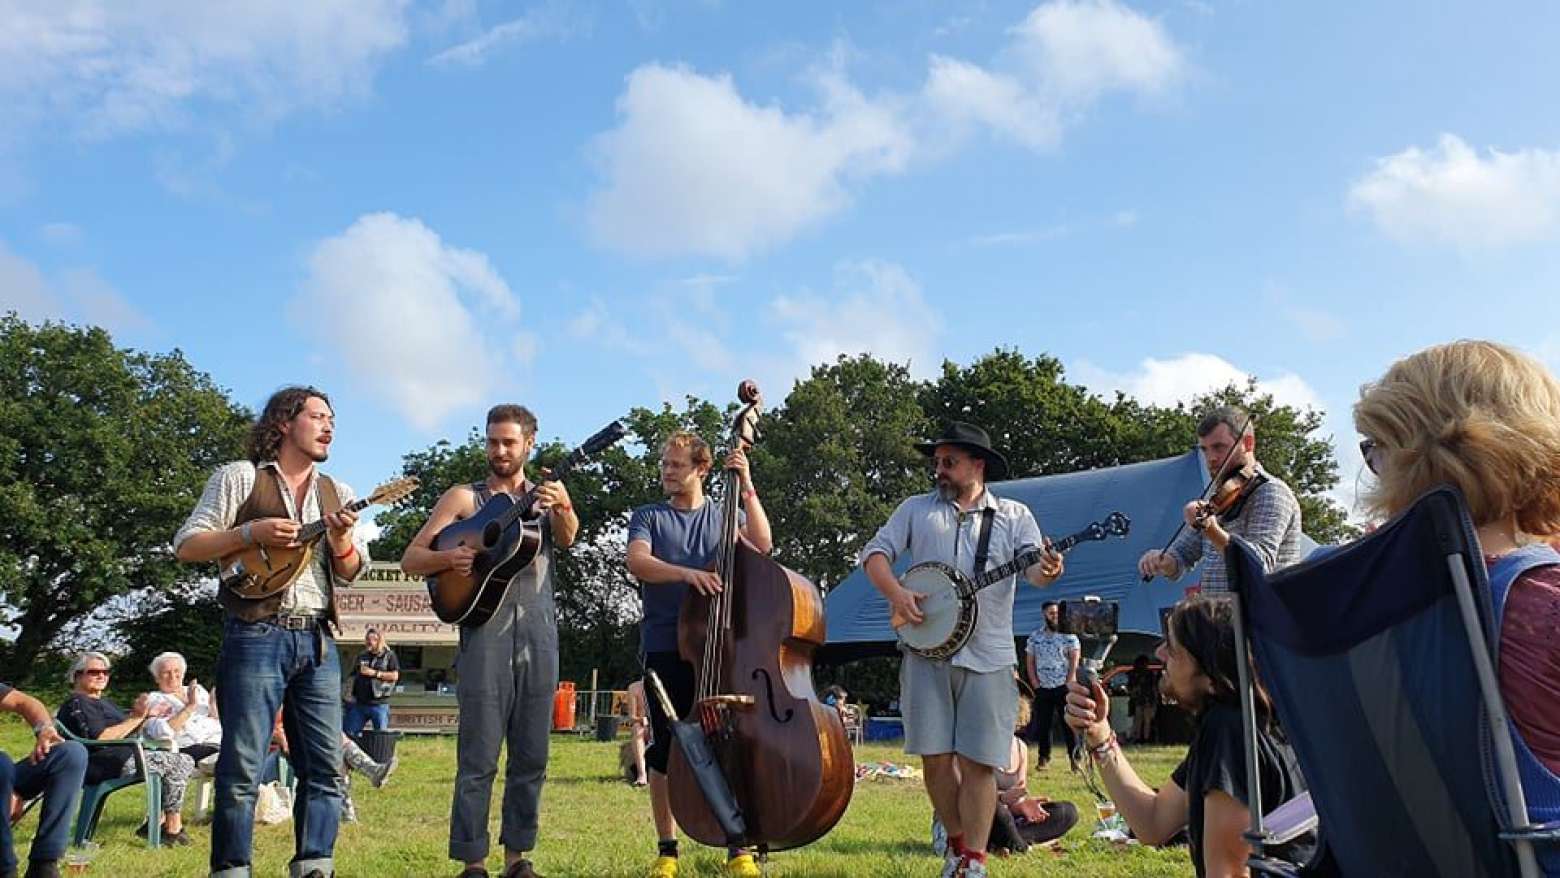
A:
(595, 825)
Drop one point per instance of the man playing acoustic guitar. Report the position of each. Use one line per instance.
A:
(277, 652)
(671, 548)
(508, 666)
(959, 714)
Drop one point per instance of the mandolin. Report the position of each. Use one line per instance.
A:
(259, 572)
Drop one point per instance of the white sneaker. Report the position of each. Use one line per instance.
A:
(950, 867)
(972, 869)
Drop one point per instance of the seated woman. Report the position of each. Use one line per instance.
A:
(185, 715)
(87, 714)
(1487, 419)
(1206, 795)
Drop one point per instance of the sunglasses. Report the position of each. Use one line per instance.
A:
(1368, 449)
(96, 672)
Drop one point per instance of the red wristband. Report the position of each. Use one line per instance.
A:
(347, 554)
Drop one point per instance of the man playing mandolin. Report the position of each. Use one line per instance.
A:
(1258, 507)
(277, 650)
(508, 665)
(671, 548)
(959, 714)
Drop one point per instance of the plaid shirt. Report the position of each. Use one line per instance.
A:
(1269, 520)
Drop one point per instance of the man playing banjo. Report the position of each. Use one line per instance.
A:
(959, 713)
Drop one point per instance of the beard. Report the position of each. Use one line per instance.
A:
(947, 490)
(503, 470)
(320, 456)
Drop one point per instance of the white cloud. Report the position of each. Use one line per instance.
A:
(113, 67)
(1080, 49)
(398, 303)
(694, 167)
(1065, 55)
(1179, 379)
(74, 295)
(875, 308)
(1452, 195)
(548, 21)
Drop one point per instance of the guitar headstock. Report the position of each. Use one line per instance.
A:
(393, 490)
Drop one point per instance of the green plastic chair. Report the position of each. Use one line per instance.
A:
(95, 796)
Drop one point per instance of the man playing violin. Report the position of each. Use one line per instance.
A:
(959, 714)
(1255, 505)
(509, 665)
(671, 548)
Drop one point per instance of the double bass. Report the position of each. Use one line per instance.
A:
(784, 754)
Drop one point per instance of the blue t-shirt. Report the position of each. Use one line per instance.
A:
(685, 537)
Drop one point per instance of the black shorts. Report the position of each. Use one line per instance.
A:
(677, 676)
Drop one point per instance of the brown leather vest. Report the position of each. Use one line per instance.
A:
(265, 501)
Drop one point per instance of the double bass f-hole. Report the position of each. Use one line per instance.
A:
(769, 694)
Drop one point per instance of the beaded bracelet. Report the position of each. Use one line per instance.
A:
(1101, 750)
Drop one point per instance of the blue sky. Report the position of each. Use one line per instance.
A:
(429, 207)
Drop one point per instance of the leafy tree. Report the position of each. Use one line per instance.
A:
(836, 460)
(191, 625)
(103, 452)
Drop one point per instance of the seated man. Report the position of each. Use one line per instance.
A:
(53, 770)
(1206, 795)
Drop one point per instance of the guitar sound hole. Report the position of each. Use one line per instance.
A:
(490, 535)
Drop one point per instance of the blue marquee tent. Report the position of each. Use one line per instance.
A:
(1150, 493)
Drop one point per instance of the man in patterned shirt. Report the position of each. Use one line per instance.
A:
(1051, 659)
(1268, 518)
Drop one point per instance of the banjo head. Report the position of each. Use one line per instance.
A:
(943, 610)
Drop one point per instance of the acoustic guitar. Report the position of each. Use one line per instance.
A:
(507, 538)
(259, 572)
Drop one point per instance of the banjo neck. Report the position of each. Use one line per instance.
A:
(1003, 571)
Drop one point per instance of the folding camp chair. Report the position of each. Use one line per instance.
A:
(1378, 658)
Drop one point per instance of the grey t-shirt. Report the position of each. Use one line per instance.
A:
(685, 537)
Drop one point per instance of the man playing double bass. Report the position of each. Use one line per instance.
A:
(508, 666)
(671, 548)
(959, 714)
(1267, 516)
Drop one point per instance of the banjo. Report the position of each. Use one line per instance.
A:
(950, 609)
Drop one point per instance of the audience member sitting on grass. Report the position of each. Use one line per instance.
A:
(1206, 795)
(631, 756)
(1486, 418)
(185, 715)
(52, 770)
(1020, 820)
(87, 714)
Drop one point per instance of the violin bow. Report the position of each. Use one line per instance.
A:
(1218, 478)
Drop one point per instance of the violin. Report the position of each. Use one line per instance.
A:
(1230, 494)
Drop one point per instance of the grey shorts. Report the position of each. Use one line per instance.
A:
(951, 710)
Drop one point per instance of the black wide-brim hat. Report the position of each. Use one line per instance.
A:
(974, 439)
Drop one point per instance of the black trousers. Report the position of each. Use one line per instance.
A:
(1049, 707)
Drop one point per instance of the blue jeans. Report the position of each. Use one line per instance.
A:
(263, 668)
(360, 714)
(58, 779)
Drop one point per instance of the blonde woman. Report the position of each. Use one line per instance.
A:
(1486, 418)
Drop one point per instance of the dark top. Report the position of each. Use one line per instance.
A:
(87, 718)
(5, 689)
(1143, 686)
(685, 537)
(1216, 761)
(367, 690)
